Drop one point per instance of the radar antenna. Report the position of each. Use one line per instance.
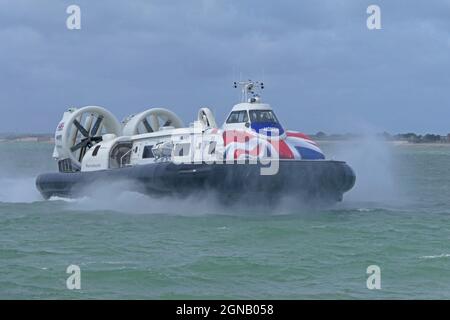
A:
(249, 88)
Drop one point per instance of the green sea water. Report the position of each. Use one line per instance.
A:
(132, 246)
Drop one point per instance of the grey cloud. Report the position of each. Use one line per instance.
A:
(323, 69)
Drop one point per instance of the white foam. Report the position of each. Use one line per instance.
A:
(55, 198)
(443, 255)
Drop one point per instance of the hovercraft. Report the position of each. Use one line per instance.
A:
(250, 155)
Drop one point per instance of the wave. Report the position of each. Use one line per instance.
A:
(443, 255)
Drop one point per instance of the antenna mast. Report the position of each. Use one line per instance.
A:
(248, 88)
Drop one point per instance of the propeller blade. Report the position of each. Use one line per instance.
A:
(96, 125)
(154, 122)
(81, 128)
(147, 125)
(88, 122)
(82, 144)
(82, 153)
(97, 139)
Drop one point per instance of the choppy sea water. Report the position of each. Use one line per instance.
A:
(133, 246)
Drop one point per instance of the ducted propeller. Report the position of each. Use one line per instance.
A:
(81, 129)
(89, 137)
(150, 121)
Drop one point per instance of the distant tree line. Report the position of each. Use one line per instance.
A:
(409, 137)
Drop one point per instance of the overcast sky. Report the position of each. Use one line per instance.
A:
(323, 69)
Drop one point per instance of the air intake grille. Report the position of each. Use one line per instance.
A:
(66, 165)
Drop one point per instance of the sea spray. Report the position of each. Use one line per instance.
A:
(18, 190)
(117, 197)
(373, 162)
(20, 163)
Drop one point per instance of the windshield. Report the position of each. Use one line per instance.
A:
(238, 116)
(263, 116)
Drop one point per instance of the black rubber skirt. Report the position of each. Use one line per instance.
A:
(306, 180)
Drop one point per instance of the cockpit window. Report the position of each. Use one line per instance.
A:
(263, 116)
(238, 116)
(148, 153)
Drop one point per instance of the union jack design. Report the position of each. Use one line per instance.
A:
(249, 144)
